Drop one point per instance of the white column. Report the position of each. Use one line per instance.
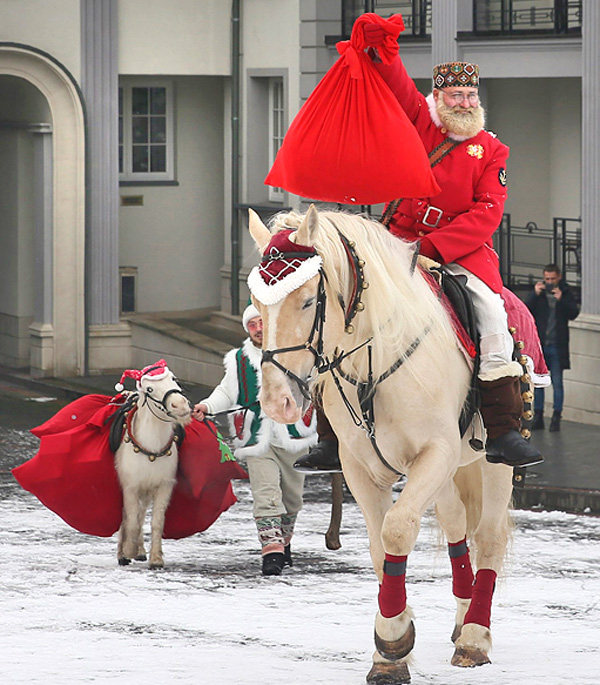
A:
(590, 155)
(444, 26)
(43, 184)
(99, 37)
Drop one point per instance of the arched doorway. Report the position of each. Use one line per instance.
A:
(42, 320)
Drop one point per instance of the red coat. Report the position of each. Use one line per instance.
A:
(473, 181)
(74, 474)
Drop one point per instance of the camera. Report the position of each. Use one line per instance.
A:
(550, 287)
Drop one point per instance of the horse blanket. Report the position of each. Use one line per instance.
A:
(74, 475)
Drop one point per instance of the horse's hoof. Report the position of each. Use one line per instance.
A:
(469, 657)
(389, 674)
(456, 633)
(332, 542)
(396, 649)
(123, 561)
(141, 557)
(156, 564)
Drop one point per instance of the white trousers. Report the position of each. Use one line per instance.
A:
(277, 487)
(496, 342)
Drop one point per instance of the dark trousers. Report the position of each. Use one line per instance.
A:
(556, 374)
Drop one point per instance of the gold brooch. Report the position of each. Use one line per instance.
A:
(475, 151)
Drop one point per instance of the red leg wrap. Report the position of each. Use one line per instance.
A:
(392, 591)
(462, 573)
(481, 602)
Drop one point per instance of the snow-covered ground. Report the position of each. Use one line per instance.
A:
(70, 614)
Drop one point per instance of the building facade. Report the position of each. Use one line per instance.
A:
(134, 135)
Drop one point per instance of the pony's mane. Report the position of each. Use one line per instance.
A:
(398, 304)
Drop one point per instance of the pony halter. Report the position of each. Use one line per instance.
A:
(155, 372)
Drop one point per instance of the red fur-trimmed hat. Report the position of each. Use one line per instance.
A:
(155, 371)
(455, 74)
(284, 267)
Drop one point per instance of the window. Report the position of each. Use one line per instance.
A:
(276, 129)
(146, 141)
(128, 276)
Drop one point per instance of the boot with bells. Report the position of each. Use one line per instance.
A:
(501, 408)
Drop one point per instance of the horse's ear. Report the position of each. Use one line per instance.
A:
(261, 234)
(307, 231)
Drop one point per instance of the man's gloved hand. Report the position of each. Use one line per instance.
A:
(374, 35)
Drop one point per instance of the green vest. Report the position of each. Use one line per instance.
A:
(248, 394)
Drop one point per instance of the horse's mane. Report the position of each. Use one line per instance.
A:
(399, 305)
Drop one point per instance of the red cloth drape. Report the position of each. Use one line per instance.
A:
(73, 473)
(351, 142)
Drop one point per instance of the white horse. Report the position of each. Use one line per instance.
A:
(146, 464)
(347, 314)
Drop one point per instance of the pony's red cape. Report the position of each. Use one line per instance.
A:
(73, 473)
(351, 142)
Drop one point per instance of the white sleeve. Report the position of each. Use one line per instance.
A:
(225, 395)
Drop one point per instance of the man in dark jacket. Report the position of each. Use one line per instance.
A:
(553, 305)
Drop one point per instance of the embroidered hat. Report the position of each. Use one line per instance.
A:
(251, 312)
(155, 371)
(452, 74)
(284, 267)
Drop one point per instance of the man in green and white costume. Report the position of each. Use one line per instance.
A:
(269, 448)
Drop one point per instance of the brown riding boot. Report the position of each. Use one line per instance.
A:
(323, 457)
(501, 409)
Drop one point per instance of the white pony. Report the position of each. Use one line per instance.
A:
(147, 458)
(347, 314)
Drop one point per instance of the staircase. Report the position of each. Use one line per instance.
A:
(193, 342)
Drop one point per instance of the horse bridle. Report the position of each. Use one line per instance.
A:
(162, 403)
(355, 305)
(365, 390)
(317, 351)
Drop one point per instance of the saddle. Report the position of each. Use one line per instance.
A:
(454, 288)
(452, 291)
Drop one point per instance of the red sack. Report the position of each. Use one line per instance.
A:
(74, 475)
(352, 142)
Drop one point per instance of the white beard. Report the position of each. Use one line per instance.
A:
(461, 124)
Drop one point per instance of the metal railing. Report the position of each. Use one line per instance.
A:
(416, 14)
(530, 17)
(490, 17)
(525, 250)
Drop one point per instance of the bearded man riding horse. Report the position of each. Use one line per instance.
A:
(455, 228)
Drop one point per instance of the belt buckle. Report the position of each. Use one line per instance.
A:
(425, 219)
